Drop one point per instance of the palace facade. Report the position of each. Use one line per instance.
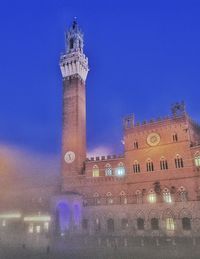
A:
(152, 188)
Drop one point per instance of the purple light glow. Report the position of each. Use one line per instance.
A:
(64, 215)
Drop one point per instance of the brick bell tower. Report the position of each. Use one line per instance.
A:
(74, 69)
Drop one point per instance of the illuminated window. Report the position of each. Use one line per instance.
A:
(154, 224)
(169, 224)
(175, 137)
(140, 223)
(95, 171)
(167, 196)
(136, 167)
(178, 161)
(120, 170)
(163, 164)
(186, 223)
(149, 165)
(197, 159)
(124, 223)
(108, 170)
(151, 196)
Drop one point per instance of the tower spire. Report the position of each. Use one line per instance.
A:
(74, 61)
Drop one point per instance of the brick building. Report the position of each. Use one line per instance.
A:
(153, 188)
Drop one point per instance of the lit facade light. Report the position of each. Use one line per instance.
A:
(40, 218)
(10, 216)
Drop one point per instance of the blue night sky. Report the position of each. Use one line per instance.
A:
(143, 56)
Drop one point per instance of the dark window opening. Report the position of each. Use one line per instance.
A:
(140, 224)
(154, 224)
(110, 225)
(186, 223)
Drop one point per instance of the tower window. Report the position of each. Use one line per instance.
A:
(175, 137)
(71, 43)
(178, 162)
(135, 145)
(163, 164)
(136, 167)
(149, 165)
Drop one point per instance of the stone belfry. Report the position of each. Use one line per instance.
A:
(74, 68)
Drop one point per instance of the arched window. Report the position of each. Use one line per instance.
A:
(140, 223)
(97, 200)
(151, 196)
(175, 137)
(163, 164)
(136, 167)
(110, 225)
(95, 171)
(182, 194)
(168, 216)
(154, 224)
(120, 170)
(124, 223)
(186, 223)
(167, 196)
(109, 198)
(108, 170)
(71, 43)
(178, 161)
(197, 159)
(123, 198)
(170, 225)
(149, 165)
(138, 194)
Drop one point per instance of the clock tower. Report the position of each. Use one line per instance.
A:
(74, 69)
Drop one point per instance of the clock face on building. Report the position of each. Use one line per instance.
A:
(69, 157)
(153, 139)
